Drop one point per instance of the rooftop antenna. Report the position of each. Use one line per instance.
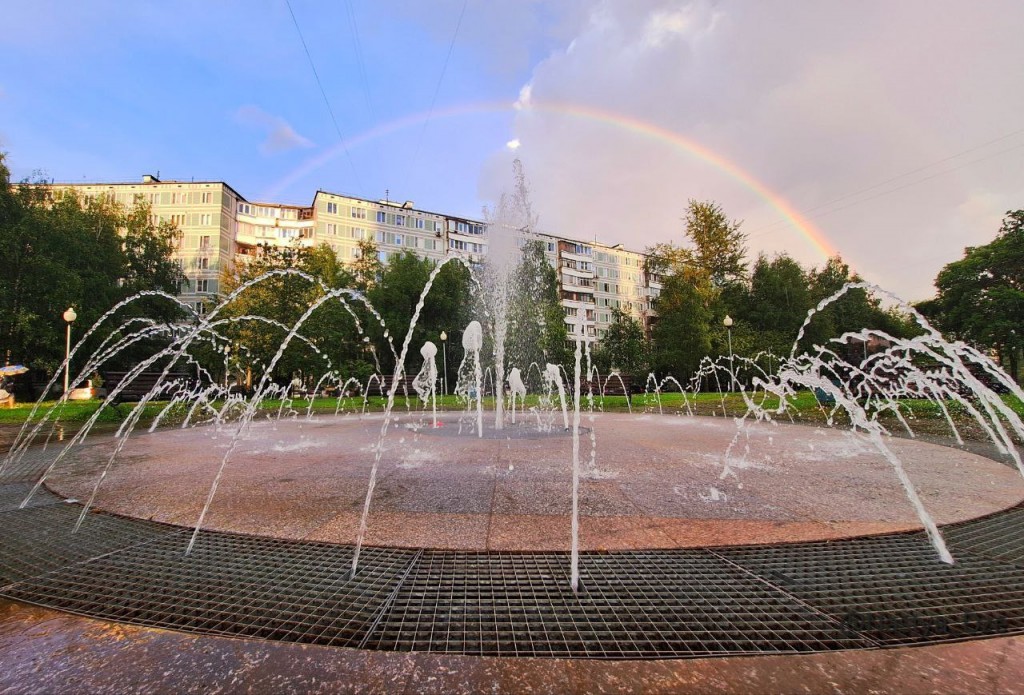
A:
(387, 196)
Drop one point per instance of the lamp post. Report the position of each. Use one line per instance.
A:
(732, 375)
(69, 317)
(444, 355)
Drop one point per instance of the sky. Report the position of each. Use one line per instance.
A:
(887, 132)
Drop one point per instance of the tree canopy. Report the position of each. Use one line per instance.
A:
(62, 250)
(981, 296)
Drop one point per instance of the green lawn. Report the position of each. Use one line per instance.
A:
(804, 406)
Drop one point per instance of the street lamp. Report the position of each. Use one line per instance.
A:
(444, 354)
(227, 356)
(69, 317)
(732, 375)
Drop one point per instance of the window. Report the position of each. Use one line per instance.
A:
(201, 308)
(399, 220)
(358, 213)
(244, 208)
(397, 240)
(203, 286)
(382, 256)
(380, 237)
(332, 208)
(204, 243)
(419, 223)
(332, 229)
(551, 247)
(357, 233)
(204, 263)
(381, 216)
(207, 197)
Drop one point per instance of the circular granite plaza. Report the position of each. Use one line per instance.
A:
(647, 481)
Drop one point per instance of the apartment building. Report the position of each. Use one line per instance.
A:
(220, 227)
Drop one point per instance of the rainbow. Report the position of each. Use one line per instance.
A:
(813, 235)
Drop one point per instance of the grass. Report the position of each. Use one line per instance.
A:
(923, 415)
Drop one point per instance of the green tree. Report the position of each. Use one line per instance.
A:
(537, 331)
(681, 337)
(981, 296)
(701, 283)
(719, 247)
(64, 250)
(624, 347)
(775, 305)
(283, 299)
(367, 268)
(445, 308)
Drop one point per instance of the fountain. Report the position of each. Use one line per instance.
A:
(496, 509)
(261, 514)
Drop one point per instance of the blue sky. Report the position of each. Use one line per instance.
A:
(894, 127)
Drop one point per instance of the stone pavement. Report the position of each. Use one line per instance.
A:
(43, 651)
(653, 482)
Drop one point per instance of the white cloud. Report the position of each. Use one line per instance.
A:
(814, 101)
(513, 144)
(280, 136)
(525, 93)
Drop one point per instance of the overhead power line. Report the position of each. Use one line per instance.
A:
(807, 213)
(437, 88)
(327, 102)
(360, 64)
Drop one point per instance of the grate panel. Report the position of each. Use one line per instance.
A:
(38, 540)
(894, 589)
(13, 494)
(630, 605)
(230, 584)
(802, 597)
(998, 536)
(29, 466)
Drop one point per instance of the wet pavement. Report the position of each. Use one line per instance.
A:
(647, 481)
(43, 651)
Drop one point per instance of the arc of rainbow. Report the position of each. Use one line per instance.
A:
(812, 234)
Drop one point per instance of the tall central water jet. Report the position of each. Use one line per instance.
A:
(511, 219)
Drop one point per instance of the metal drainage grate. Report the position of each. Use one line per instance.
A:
(29, 466)
(37, 540)
(801, 597)
(999, 536)
(894, 589)
(232, 585)
(631, 605)
(13, 494)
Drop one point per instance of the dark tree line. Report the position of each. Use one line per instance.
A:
(67, 251)
(980, 297)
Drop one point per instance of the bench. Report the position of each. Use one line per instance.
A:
(382, 386)
(611, 386)
(143, 383)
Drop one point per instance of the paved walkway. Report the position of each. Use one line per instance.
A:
(43, 651)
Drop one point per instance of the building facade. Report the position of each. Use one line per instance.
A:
(220, 227)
